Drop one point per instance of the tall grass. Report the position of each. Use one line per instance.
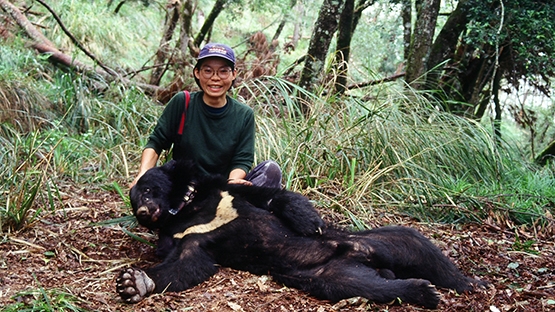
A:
(395, 152)
(24, 173)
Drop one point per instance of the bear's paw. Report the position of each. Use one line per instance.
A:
(133, 285)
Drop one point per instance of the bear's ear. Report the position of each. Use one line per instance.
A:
(168, 166)
(182, 171)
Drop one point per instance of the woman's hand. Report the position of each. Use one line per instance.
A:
(239, 181)
(237, 176)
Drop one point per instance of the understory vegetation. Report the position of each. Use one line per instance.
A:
(390, 151)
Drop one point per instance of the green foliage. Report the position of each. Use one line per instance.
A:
(263, 6)
(19, 62)
(533, 38)
(45, 300)
(528, 31)
(20, 103)
(123, 40)
(85, 137)
(24, 180)
(377, 45)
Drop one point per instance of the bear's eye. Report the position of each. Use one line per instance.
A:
(146, 191)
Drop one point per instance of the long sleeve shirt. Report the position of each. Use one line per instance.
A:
(218, 140)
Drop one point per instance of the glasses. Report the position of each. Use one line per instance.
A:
(208, 72)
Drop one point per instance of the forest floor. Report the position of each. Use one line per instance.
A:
(64, 253)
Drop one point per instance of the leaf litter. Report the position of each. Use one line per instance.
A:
(66, 253)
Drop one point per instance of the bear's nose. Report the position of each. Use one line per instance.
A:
(143, 211)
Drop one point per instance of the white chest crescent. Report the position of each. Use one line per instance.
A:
(225, 213)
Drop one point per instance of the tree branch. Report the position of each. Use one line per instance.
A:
(75, 41)
(24, 23)
(375, 82)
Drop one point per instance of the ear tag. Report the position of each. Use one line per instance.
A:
(173, 212)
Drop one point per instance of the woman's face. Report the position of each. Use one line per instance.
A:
(215, 77)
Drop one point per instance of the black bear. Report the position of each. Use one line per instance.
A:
(277, 232)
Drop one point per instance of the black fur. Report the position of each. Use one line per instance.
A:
(278, 232)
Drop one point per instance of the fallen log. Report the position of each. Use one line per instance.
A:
(43, 45)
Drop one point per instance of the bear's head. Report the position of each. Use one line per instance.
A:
(160, 192)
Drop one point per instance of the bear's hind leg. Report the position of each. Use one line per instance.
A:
(409, 254)
(341, 279)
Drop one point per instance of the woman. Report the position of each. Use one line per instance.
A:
(218, 133)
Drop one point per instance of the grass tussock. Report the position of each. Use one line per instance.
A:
(20, 103)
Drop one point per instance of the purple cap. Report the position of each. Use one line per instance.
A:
(217, 50)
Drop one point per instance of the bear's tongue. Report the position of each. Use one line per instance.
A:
(156, 214)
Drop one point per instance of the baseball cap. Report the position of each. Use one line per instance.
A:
(217, 50)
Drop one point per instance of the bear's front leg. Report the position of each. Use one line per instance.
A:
(293, 209)
(297, 212)
(133, 285)
(187, 265)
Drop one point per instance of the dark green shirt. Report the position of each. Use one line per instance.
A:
(218, 140)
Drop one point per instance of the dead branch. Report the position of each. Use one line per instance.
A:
(75, 41)
(375, 82)
(58, 57)
(45, 46)
(24, 23)
(41, 43)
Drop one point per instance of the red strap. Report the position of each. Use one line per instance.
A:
(182, 122)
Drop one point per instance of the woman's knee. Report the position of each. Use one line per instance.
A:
(267, 173)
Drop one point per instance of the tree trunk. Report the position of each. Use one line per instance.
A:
(546, 154)
(445, 48)
(292, 45)
(286, 17)
(446, 42)
(343, 48)
(185, 43)
(209, 22)
(406, 16)
(164, 51)
(323, 32)
(474, 80)
(421, 42)
(181, 55)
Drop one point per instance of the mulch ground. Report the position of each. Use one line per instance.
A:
(63, 253)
